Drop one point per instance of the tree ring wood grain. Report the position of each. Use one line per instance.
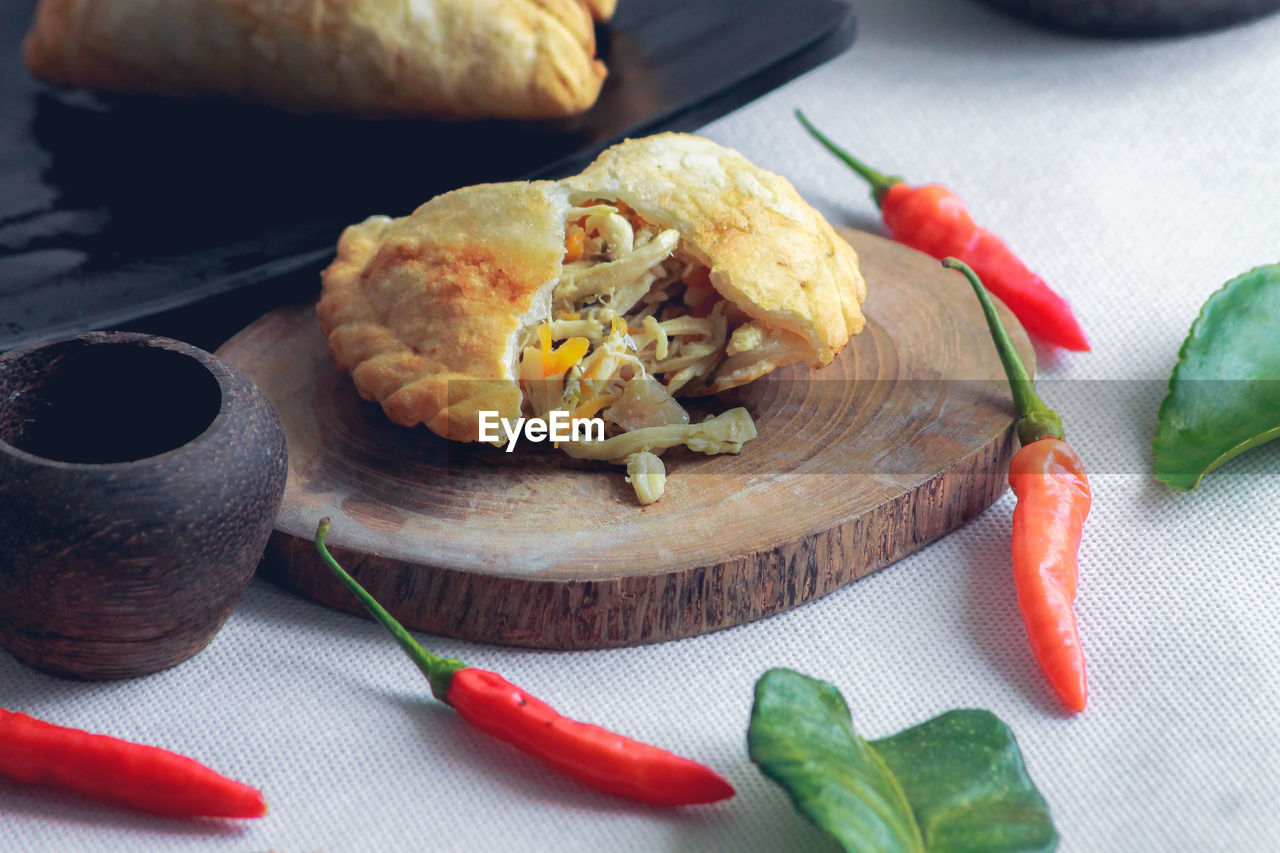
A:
(906, 436)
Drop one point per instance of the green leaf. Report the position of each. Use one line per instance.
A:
(802, 737)
(964, 777)
(955, 783)
(1224, 394)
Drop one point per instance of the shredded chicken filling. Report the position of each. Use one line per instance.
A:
(634, 319)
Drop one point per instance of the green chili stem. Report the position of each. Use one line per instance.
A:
(439, 671)
(879, 181)
(1036, 420)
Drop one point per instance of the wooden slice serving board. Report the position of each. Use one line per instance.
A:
(903, 438)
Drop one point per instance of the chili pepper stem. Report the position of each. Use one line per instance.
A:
(1035, 419)
(438, 670)
(879, 181)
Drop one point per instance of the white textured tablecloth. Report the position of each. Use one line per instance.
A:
(1137, 177)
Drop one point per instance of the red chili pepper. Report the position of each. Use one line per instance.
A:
(594, 756)
(933, 220)
(119, 771)
(1053, 500)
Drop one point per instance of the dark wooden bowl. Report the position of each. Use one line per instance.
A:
(139, 480)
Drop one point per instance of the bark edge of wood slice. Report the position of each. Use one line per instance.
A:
(903, 438)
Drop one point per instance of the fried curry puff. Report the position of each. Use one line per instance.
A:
(452, 59)
(670, 267)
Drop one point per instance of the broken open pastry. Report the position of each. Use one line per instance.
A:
(671, 266)
(454, 59)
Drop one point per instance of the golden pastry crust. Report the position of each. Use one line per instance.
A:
(601, 10)
(769, 252)
(428, 311)
(425, 310)
(454, 59)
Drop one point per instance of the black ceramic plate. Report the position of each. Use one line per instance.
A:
(117, 209)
